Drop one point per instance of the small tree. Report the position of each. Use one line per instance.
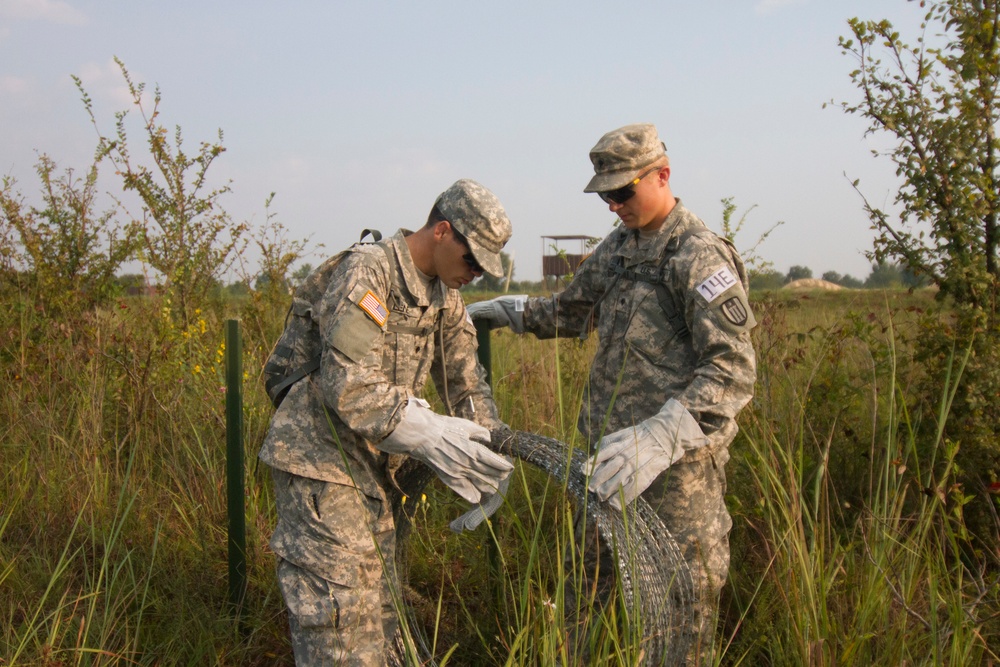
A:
(184, 232)
(300, 274)
(884, 275)
(832, 277)
(493, 283)
(765, 280)
(940, 103)
(277, 253)
(847, 280)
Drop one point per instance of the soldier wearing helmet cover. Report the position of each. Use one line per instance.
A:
(385, 317)
(674, 362)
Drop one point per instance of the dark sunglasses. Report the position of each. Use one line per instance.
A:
(624, 193)
(469, 258)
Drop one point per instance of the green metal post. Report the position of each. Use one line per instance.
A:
(234, 464)
(485, 354)
(492, 548)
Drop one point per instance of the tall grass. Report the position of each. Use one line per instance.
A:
(856, 557)
(848, 544)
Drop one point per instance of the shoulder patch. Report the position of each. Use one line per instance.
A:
(734, 310)
(373, 306)
(717, 283)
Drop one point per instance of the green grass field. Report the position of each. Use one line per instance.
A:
(850, 545)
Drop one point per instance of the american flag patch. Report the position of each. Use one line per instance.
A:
(371, 305)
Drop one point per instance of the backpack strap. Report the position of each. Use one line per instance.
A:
(654, 275)
(674, 314)
(588, 325)
(278, 384)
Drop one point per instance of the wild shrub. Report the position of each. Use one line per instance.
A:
(184, 232)
(65, 252)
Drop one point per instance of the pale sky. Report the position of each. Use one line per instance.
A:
(358, 114)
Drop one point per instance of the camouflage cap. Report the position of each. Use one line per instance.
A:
(621, 153)
(478, 216)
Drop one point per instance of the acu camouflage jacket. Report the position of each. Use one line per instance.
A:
(642, 360)
(382, 335)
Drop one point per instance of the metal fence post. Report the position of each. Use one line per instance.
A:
(485, 354)
(235, 502)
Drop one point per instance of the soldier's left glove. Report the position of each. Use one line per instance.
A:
(503, 311)
(484, 509)
(456, 449)
(630, 459)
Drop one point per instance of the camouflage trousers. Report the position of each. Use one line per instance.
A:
(335, 549)
(690, 499)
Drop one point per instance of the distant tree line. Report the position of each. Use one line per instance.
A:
(884, 275)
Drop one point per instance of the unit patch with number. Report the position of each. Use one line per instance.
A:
(723, 292)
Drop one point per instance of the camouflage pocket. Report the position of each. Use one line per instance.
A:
(309, 598)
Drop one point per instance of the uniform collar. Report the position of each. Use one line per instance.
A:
(636, 250)
(435, 292)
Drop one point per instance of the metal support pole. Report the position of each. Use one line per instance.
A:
(485, 354)
(235, 501)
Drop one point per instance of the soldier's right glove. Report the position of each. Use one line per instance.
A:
(503, 311)
(452, 447)
(630, 459)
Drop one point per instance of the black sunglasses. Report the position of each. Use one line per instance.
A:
(469, 258)
(624, 193)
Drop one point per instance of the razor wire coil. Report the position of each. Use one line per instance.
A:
(652, 574)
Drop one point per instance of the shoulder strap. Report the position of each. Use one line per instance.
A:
(277, 385)
(613, 269)
(654, 275)
(392, 326)
(388, 255)
(674, 314)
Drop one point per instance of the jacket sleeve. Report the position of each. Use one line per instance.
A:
(718, 315)
(574, 311)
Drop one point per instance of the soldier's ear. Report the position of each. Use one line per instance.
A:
(442, 229)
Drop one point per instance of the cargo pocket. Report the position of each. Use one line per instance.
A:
(309, 598)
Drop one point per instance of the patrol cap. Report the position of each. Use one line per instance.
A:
(621, 154)
(478, 216)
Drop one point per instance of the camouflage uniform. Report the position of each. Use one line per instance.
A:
(335, 538)
(642, 361)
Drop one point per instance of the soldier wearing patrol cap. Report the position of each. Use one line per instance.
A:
(674, 363)
(386, 315)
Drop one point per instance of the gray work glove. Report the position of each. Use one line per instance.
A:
(484, 510)
(454, 448)
(630, 459)
(502, 311)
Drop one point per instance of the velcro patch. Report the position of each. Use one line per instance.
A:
(371, 304)
(717, 283)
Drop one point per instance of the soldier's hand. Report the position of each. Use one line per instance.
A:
(503, 311)
(627, 461)
(454, 448)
